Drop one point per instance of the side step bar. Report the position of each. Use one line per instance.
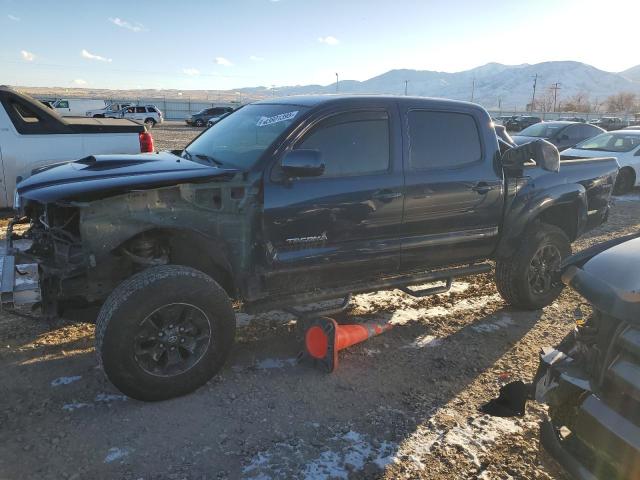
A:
(401, 282)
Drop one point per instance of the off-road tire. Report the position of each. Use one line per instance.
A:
(624, 181)
(512, 273)
(132, 301)
(199, 123)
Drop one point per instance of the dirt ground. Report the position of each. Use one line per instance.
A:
(402, 405)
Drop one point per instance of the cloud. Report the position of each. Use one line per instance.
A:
(13, 18)
(192, 72)
(91, 56)
(134, 27)
(28, 56)
(329, 40)
(80, 81)
(253, 58)
(223, 61)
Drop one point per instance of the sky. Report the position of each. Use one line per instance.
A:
(226, 44)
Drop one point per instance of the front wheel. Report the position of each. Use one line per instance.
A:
(150, 122)
(199, 123)
(527, 279)
(164, 332)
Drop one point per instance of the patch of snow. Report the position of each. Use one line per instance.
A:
(473, 438)
(629, 197)
(65, 380)
(28, 274)
(487, 327)
(287, 459)
(109, 397)
(70, 407)
(243, 319)
(424, 341)
(116, 453)
(271, 363)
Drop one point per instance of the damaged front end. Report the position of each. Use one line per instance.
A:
(591, 381)
(96, 222)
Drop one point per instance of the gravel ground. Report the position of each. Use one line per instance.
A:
(401, 405)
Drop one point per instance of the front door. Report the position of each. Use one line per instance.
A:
(344, 225)
(453, 192)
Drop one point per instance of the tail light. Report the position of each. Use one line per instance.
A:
(146, 143)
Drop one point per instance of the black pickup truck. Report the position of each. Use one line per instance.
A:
(293, 201)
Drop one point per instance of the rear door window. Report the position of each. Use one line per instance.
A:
(141, 110)
(442, 140)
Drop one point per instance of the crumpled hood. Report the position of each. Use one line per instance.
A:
(105, 175)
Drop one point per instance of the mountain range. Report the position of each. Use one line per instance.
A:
(492, 85)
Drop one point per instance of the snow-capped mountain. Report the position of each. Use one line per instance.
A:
(491, 84)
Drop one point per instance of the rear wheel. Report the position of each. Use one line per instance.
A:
(527, 279)
(164, 332)
(199, 123)
(624, 181)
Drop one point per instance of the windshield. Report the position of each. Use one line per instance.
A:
(541, 130)
(611, 142)
(239, 139)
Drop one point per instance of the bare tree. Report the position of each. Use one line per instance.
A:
(580, 102)
(621, 102)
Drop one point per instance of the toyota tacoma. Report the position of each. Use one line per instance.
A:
(290, 202)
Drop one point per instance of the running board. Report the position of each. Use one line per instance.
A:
(401, 282)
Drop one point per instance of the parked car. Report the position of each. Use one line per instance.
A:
(609, 123)
(150, 115)
(624, 145)
(572, 119)
(213, 121)
(591, 381)
(32, 136)
(110, 110)
(76, 107)
(562, 134)
(520, 123)
(293, 201)
(201, 118)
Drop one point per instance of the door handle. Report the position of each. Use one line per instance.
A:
(386, 195)
(482, 188)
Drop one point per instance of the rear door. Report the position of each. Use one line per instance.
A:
(344, 225)
(453, 192)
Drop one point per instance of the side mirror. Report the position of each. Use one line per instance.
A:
(303, 163)
(543, 153)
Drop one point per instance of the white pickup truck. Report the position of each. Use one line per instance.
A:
(33, 136)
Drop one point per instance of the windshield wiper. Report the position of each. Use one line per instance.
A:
(188, 155)
(208, 158)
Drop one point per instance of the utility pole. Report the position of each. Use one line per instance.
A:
(533, 97)
(500, 105)
(337, 80)
(473, 89)
(555, 88)
(406, 83)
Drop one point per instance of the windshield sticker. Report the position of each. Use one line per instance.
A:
(283, 117)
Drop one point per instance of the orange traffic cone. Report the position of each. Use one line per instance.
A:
(324, 338)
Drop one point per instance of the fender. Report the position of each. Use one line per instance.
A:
(529, 205)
